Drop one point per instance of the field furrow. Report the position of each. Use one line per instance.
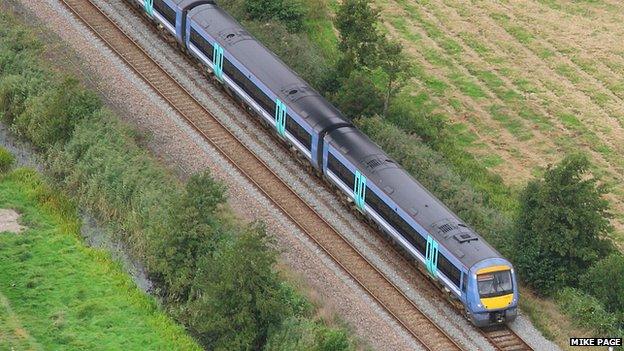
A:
(525, 81)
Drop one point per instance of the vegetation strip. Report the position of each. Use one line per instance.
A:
(214, 274)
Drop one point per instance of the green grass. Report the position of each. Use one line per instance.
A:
(466, 85)
(13, 336)
(64, 295)
(513, 125)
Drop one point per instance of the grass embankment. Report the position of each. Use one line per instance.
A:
(58, 294)
(214, 274)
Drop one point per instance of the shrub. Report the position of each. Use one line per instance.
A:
(13, 93)
(561, 226)
(289, 12)
(414, 119)
(605, 281)
(6, 160)
(193, 230)
(104, 167)
(359, 97)
(50, 117)
(303, 334)
(237, 296)
(586, 311)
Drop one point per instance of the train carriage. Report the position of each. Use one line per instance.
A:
(453, 253)
(295, 110)
(422, 225)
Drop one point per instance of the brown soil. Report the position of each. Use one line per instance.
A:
(585, 38)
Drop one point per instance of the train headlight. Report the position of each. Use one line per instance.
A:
(479, 305)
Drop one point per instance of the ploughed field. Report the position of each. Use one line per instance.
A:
(524, 81)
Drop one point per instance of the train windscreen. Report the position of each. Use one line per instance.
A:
(495, 284)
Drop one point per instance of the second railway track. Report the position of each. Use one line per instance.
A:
(378, 286)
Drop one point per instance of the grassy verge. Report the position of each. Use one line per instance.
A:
(55, 293)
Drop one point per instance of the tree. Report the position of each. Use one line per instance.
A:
(397, 68)
(237, 296)
(605, 281)
(561, 227)
(359, 97)
(357, 22)
(365, 48)
(193, 232)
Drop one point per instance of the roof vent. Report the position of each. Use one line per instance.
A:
(465, 237)
(233, 35)
(374, 163)
(445, 228)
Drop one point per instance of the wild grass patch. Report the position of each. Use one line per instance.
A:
(64, 293)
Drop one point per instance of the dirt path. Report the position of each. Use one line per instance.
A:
(9, 221)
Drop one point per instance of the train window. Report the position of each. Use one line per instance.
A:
(340, 170)
(396, 221)
(167, 12)
(202, 44)
(249, 87)
(445, 266)
(298, 132)
(464, 282)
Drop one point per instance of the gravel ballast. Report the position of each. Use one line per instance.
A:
(186, 152)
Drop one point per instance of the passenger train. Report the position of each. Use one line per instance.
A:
(452, 253)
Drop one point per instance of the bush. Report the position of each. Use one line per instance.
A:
(50, 117)
(605, 281)
(237, 296)
(104, 167)
(306, 335)
(414, 119)
(193, 230)
(359, 97)
(6, 160)
(587, 312)
(561, 226)
(289, 12)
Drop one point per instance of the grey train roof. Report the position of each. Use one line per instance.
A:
(448, 229)
(267, 67)
(434, 216)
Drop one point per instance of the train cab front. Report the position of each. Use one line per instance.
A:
(495, 296)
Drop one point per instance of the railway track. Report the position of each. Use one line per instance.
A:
(504, 339)
(373, 281)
